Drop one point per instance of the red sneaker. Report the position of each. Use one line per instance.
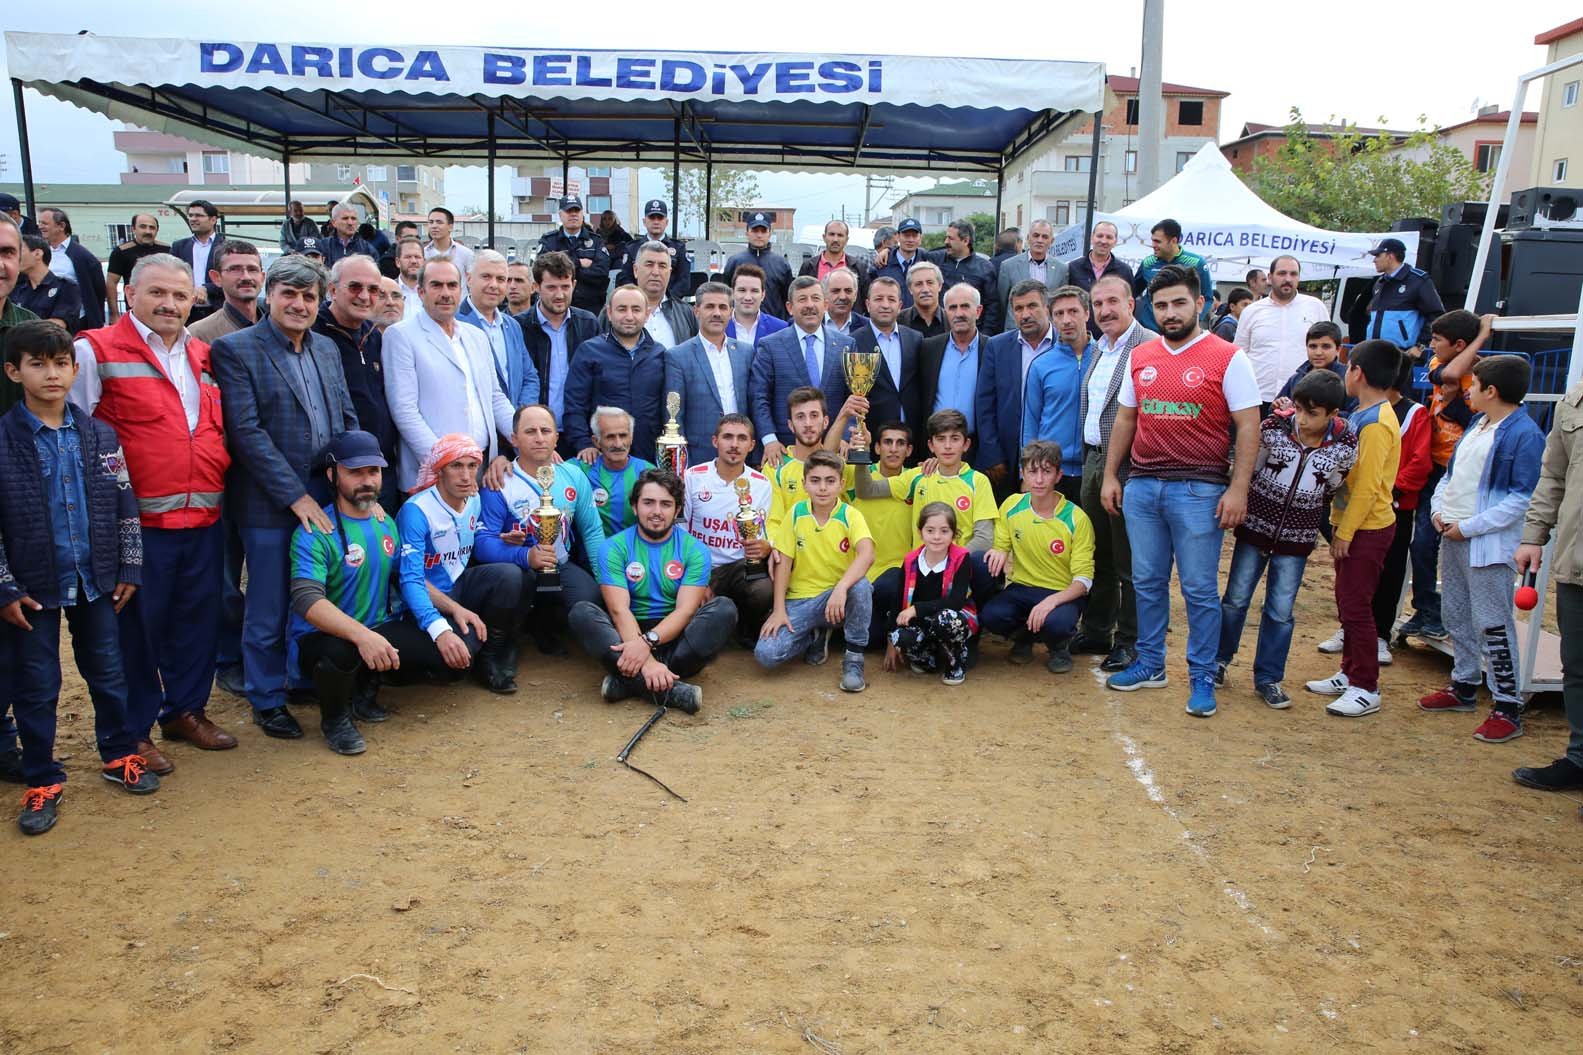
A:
(1497, 729)
(1446, 699)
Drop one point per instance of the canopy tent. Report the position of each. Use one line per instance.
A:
(1229, 225)
(377, 103)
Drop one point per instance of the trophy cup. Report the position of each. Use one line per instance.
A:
(749, 524)
(547, 523)
(861, 368)
(670, 450)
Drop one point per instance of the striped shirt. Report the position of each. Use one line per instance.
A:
(355, 564)
(653, 573)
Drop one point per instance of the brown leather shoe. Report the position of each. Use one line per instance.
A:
(157, 762)
(197, 731)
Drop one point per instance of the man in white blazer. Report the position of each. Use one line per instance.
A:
(440, 376)
(709, 372)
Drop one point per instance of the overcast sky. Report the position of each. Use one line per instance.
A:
(1362, 61)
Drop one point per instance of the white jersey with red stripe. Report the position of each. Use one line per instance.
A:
(712, 506)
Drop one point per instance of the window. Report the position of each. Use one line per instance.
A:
(598, 170)
(378, 173)
(1182, 158)
(343, 173)
(1132, 111)
(1558, 170)
(1077, 162)
(1079, 211)
(409, 205)
(943, 216)
(1063, 213)
(1569, 94)
(1019, 216)
(216, 164)
(1190, 112)
(1486, 156)
(1131, 164)
(596, 203)
(407, 173)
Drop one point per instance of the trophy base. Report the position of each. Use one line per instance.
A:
(548, 583)
(755, 571)
(859, 457)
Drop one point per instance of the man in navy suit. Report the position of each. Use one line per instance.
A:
(709, 372)
(898, 390)
(285, 398)
(806, 353)
(1002, 373)
(196, 251)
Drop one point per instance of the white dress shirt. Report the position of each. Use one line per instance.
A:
(200, 258)
(720, 363)
(659, 328)
(411, 302)
(1275, 336)
(477, 419)
(1099, 381)
(172, 361)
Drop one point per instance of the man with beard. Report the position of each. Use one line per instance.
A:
(959, 263)
(124, 257)
(669, 322)
(236, 268)
(347, 318)
(840, 296)
(1274, 330)
(1179, 402)
(659, 624)
(587, 252)
(295, 227)
(1002, 379)
(806, 354)
(409, 262)
(553, 331)
(711, 514)
(623, 368)
(924, 282)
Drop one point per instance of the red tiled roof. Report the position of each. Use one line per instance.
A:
(1500, 117)
(1129, 86)
(1551, 35)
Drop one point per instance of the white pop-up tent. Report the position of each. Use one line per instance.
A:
(1230, 226)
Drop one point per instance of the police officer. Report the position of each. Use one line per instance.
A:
(588, 255)
(655, 215)
(1405, 301)
(777, 272)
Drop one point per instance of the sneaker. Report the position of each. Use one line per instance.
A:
(1384, 653)
(1137, 677)
(1412, 626)
(1121, 657)
(1060, 661)
(1220, 673)
(1434, 632)
(918, 668)
(954, 676)
(1331, 686)
(132, 773)
(1354, 703)
(1334, 643)
(1451, 698)
(1090, 645)
(1499, 728)
(685, 697)
(614, 689)
(1273, 695)
(818, 651)
(1561, 775)
(39, 807)
(1201, 701)
(1021, 648)
(852, 673)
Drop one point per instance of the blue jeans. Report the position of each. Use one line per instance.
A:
(806, 615)
(1275, 622)
(36, 691)
(264, 619)
(1425, 552)
(170, 631)
(1169, 519)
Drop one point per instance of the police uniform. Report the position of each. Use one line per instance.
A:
(777, 272)
(1404, 302)
(592, 278)
(681, 285)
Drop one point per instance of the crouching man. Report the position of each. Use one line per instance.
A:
(659, 628)
(347, 634)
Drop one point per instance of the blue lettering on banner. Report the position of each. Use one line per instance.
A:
(1279, 243)
(634, 73)
(328, 63)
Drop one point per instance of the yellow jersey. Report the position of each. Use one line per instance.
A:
(1047, 553)
(786, 480)
(968, 492)
(820, 553)
(891, 521)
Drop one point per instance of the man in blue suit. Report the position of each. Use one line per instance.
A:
(486, 295)
(285, 399)
(623, 368)
(709, 372)
(806, 353)
(748, 324)
(898, 388)
(1002, 375)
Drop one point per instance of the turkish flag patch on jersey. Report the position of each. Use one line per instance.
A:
(673, 569)
(1057, 547)
(962, 502)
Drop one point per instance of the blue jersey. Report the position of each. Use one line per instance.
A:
(436, 544)
(612, 488)
(653, 572)
(512, 506)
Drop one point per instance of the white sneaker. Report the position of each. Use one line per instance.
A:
(1354, 703)
(1384, 653)
(1334, 643)
(1332, 686)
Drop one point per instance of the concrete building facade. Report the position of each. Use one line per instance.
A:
(1558, 139)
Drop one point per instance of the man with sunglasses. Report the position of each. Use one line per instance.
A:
(347, 318)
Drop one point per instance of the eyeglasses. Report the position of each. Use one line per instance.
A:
(359, 288)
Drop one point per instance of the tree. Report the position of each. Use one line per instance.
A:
(730, 189)
(984, 232)
(1354, 181)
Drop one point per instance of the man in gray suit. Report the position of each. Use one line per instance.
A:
(440, 378)
(709, 372)
(1110, 622)
(1035, 263)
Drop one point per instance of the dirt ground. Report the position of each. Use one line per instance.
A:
(1024, 863)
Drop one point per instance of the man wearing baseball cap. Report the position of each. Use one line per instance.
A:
(587, 251)
(895, 262)
(1404, 301)
(777, 272)
(655, 218)
(13, 208)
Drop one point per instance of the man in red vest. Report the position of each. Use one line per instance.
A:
(148, 379)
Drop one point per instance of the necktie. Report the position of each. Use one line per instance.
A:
(811, 357)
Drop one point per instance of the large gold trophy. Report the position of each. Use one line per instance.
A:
(547, 523)
(670, 450)
(862, 369)
(749, 524)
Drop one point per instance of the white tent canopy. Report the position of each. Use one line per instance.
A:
(1229, 226)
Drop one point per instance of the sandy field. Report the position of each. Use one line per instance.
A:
(1024, 863)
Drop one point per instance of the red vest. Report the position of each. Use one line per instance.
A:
(1184, 425)
(178, 477)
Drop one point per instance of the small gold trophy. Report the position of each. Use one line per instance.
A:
(547, 522)
(749, 524)
(670, 450)
(861, 368)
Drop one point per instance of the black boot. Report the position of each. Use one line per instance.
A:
(336, 688)
(496, 665)
(365, 700)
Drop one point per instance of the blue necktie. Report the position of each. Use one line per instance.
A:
(811, 357)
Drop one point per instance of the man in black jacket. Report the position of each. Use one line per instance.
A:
(655, 216)
(587, 254)
(70, 255)
(552, 330)
(195, 251)
(347, 319)
(777, 272)
(958, 263)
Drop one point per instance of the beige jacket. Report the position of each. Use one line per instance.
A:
(1558, 499)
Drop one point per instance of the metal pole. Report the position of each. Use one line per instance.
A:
(491, 206)
(566, 175)
(1151, 104)
(676, 176)
(285, 175)
(1093, 181)
(26, 151)
(1000, 189)
(709, 194)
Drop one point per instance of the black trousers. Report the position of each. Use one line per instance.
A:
(338, 671)
(706, 633)
(753, 598)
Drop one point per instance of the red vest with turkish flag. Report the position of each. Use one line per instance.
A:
(177, 476)
(1184, 424)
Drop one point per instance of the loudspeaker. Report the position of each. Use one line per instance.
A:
(1426, 229)
(1452, 268)
(1546, 207)
(1472, 212)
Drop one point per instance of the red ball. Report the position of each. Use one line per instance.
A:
(1527, 598)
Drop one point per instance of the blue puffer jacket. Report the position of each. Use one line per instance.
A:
(1506, 486)
(27, 548)
(1402, 307)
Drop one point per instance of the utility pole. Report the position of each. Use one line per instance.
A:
(870, 183)
(1151, 104)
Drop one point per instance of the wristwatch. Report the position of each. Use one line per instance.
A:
(652, 638)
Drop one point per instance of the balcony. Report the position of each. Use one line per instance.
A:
(1061, 184)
